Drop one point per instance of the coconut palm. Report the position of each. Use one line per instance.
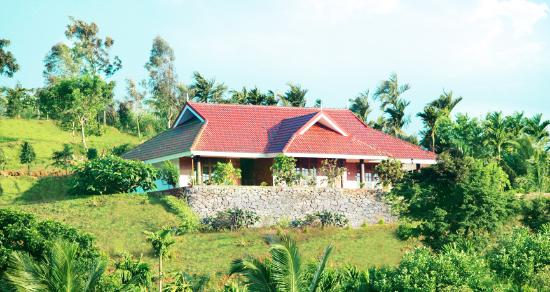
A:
(161, 241)
(360, 106)
(446, 101)
(206, 90)
(430, 116)
(282, 272)
(396, 119)
(389, 94)
(389, 91)
(537, 128)
(59, 271)
(294, 96)
(496, 133)
(435, 111)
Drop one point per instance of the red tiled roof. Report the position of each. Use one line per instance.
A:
(274, 129)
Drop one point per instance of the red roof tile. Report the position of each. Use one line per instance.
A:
(273, 129)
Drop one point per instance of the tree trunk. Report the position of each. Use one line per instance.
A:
(73, 134)
(83, 135)
(104, 118)
(433, 140)
(138, 129)
(160, 273)
(29, 169)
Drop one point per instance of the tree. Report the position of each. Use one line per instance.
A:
(169, 173)
(207, 90)
(59, 271)
(136, 98)
(389, 94)
(294, 96)
(87, 53)
(18, 98)
(537, 127)
(63, 158)
(496, 134)
(389, 171)
(165, 98)
(225, 174)
(253, 96)
(8, 63)
(333, 172)
(434, 112)
(3, 159)
(27, 155)
(78, 101)
(283, 272)
(161, 241)
(360, 106)
(318, 103)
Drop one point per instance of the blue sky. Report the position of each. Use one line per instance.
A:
(496, 54)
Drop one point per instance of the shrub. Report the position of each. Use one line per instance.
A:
(520, 255)
(284, 170)
(21, 231)
(225, 174)
(536, 212)
(27, 155)
(231, 219)
(112, 174)
(322, 219)
(189, 221)
(169, 173)
(389, 171)
(91, 154)
(121, 149)
(63, 158)
(455, 198)
(405, 230)
(330, 168)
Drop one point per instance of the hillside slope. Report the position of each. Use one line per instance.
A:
(46, 137)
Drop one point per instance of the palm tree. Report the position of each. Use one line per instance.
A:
(496, 133)
(446, 101)
(360, 106)
(537, 128)
(389, 94)
(161, 242)
(294, 96)
(206, 90)
(389, 91)
(430, 116)
(396, 119)
(435, 111)
(283, 272)
(60, 271)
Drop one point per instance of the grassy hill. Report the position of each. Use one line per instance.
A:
(118, 222)
(46, 137)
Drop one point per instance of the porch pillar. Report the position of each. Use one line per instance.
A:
(198, 167)
(362, 173)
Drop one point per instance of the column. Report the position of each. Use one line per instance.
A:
(362, 173)
(198, 167)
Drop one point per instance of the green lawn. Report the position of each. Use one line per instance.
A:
(118, 222)
(46, 137)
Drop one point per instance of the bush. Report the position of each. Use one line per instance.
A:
(330, 168)
(21, 231)
(189, 221)
(520, 255)
(169, 173)
(455, 198)
(91, 154)
(112, 174)
(322, 219)
(389, 172)
(121, 149)
(536, 212)
(284, 170)
(231, 219)
(225, 174)
(405, 230)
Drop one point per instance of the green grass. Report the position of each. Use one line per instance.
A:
(46, 137)
(118, 222)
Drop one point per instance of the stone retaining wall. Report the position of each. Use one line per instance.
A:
(275, 203)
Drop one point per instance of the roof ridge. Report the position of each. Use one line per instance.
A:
(266, 106)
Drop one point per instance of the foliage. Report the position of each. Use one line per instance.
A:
(184, 282)
(169, 173)
(294, 96)
(536, 213)
(161, 241)
(519, 256)
(3, 159)
(282, 272)
(131, 274)
(60, 270)
(19, 99)
(392, 105)
(27, 155)
(77, 101)
(91, 154)
(360, 106)
(167, 96)
(189, 221)
(8, 63)
(433, 114)
(136, 98)
(253, 96)
(63, 158)
(225, 174)
(284, 170)
(206, 90)
(231, 219)
(454, 198)
(111, 175)
(322, 219)
(333, 172)
(497, 135)
(390, 172)
(119, 150)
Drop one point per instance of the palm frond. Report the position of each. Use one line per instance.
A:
(320, 269)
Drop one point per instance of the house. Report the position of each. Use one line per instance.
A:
(251, 136)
